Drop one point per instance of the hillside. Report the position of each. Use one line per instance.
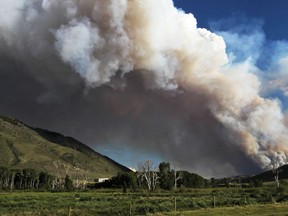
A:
(269, 176)
(266, 176)
(22, 146)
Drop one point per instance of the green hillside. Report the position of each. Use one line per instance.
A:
(24, 147)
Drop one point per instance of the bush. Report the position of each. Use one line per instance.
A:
(282, 190)
(146, 208)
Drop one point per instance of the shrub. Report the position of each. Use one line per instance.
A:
(282, 189)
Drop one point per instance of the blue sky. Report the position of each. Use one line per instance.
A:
(262, 22)
(272, 12)
(129, 157)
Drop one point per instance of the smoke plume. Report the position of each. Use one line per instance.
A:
(139, 73)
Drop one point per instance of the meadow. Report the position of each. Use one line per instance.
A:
(220, 201)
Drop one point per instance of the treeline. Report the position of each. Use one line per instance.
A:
(30, 179)
(168, 177)
(151, 178)
(246, 182)
(147, 177)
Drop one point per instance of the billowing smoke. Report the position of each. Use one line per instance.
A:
(139, 73)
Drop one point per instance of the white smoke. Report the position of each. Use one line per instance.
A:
(279, 81)
(101, 39)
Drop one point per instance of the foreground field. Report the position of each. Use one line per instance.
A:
(255, 210)
(263, 201)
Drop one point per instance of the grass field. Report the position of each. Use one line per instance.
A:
(233, 201)
(255, 210)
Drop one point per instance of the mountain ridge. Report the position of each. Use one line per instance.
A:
(23, 146)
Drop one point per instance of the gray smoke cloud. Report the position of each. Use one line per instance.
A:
(139, 73)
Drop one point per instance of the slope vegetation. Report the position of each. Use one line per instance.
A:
(22, 146)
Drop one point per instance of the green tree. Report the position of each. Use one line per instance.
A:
(18, 181)
(192, 180)
(123, 180)
(68, 184)
(45, 181)
(213, 182)
(4, 177)
(227, 182)
(166, 176)
(30, 178)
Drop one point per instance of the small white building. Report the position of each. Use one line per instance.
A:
(100, 180)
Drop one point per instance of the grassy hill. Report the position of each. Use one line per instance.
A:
(269, 176)
(266, 176)
(22, 146)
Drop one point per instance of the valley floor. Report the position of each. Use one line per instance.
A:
(227, 201)
(253, 210)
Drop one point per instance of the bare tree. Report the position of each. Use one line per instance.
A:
(177, 175)
(140, 178)
(77, 185)
(149, 174)
(85, 180)
(276, 170)
(81, 177)
(155, 178)
(145, 169)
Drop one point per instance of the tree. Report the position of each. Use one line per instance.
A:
(4, 177)
(24, 179)
(31, 178)
(140, 179)
(149, 174)
(276, 170)
(192, 180)
(213, 182)
(227, 182)
(177, 175)
(45, 180)
(155, 178)
(18, 181)
(68, 184)
(166, 176)
(12, 179)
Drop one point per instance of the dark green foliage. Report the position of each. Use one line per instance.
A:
(283, 189)
(68, 184)
(30, 178)
(256, 183)
(192, 180)
(5, 177)
(166, 176)
(25, 179)
(226, 182)
(45, 181)
(213, 182)
(122, 180)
